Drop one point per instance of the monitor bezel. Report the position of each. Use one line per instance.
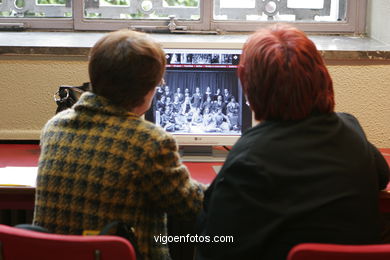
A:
(189, 139)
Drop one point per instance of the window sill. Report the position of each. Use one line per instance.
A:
(79, 44)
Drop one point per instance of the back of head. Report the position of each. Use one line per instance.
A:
(124, 66)
(284, 76)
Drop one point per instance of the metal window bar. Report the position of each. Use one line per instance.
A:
(82, 23)
(354, 10)
(280, 7)
(53, 10)
(18, 15)
(135, 7)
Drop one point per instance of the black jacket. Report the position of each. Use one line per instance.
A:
(288, 182)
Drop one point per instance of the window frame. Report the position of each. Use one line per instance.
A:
(80, 23)
(355, 23)
(66, 23)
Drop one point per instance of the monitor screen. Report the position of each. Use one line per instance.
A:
(200, 100)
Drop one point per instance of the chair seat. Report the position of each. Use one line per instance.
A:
(18, 244)
(317, 251)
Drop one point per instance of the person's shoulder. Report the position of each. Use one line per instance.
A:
(248, 139)
(60, 116)
(155, 138)
(347, 116)
(55, 125)
(348, 119)
(351, 122)
(155, 131)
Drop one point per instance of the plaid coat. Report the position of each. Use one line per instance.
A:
(100, 163)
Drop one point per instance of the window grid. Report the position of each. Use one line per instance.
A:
(271, 9)
(21, 9)
(354, 22)
(152, 9)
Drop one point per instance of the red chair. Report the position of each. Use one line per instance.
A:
(315, 251)
(18, 244)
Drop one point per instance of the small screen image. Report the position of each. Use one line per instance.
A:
(201, 95)
(215, 58)
(183, 58)
(199, 102)
(201, 58)
(226, 58)
(176, 58)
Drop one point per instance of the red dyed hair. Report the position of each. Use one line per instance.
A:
(284, 76)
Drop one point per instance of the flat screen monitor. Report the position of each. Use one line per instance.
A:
(200, 100)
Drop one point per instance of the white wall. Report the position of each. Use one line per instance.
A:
(28, 83)
(378, 20)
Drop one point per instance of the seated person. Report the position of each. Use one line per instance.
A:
(304, 173)
(196, 99)
(179, 95)
(209, 124)
(168, 121)
(187, 93)
(226, 96)
(222, 122)
(168, 102)
(102, 162)
(197, 118)
(186, 106)
(176, 104)
(207, 94)
(206, 104)
(232, 109)
(160, 105)
(167, 92)
(218, 104)
(217, 94)
(180, 120)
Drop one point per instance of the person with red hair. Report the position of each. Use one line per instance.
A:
(304, 173)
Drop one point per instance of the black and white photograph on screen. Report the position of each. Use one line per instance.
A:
(176, 58)
(215, 58)
(199, 102)
(226, 58)
(201, 58)
(188, 58)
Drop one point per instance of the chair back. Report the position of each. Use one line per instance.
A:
(18, 244)
(317, 251)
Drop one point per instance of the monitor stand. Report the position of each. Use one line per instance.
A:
(196, 153)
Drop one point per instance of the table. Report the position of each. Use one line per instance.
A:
(17, 203)
(26, 155)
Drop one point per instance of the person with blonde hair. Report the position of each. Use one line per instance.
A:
(102, 162)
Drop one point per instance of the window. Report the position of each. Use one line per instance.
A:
(339, 16)
(289, 11)
(40, 14)
(39, 8)
(147, 9)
